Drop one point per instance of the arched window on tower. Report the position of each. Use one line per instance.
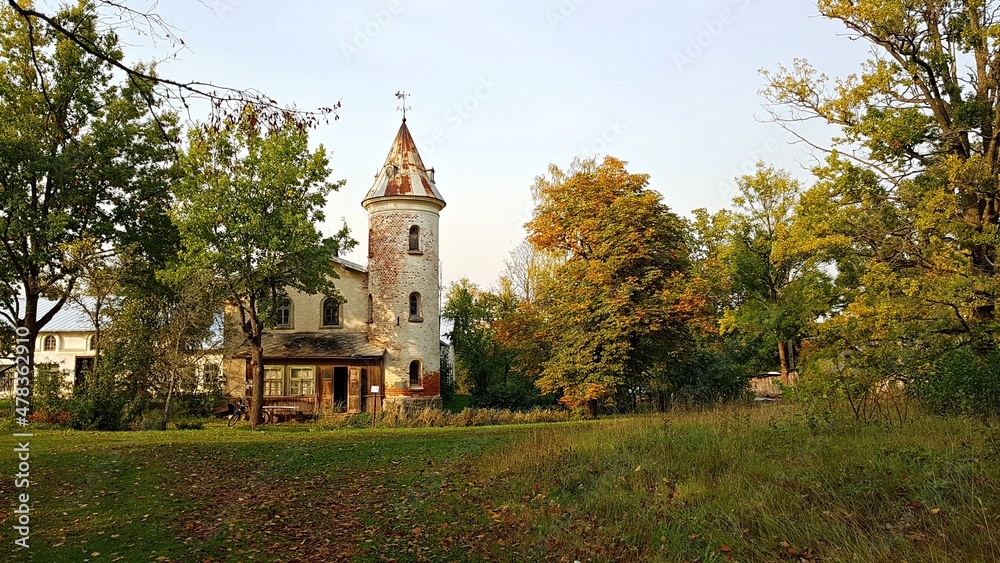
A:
(415, 373)
(414, 238)
(331, 312)
(415, 314)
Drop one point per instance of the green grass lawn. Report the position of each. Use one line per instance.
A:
(742, 485)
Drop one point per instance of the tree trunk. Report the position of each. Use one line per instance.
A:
(30, 322)
(257, 385)
(783, 361)
(166, 405)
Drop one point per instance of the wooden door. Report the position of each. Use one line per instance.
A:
(354, 390)
(326, 387)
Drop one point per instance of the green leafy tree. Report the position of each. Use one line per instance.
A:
(779, 290)
(81, 158)
(248, 205)
(908, 200)
(481, 361)
(613, 310)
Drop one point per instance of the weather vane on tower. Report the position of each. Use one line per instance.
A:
(401, 95)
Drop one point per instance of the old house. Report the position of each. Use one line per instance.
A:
(380, 345)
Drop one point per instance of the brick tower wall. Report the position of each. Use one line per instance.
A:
(393, 273)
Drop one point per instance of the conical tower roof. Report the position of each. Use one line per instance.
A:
(403, 173)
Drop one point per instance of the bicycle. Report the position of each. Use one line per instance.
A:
(241, 411)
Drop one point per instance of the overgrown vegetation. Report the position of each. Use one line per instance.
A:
(755, 484)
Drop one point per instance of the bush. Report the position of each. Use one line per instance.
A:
(50, 387)
(189, 424)
(103, 405)
(704, 376)
(150, 420)
(960, 382)
(516, 393)
(433, 417)
(200, 404)
(359, 420)
(48, 414)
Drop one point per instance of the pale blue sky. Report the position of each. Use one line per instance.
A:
(502, 89)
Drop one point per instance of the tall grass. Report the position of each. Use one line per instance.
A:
(759, 485)
(433, 417)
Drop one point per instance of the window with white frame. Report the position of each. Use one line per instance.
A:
(283, 314)
(211, 379)
(274, 381)
(49, 344)
(301, 381)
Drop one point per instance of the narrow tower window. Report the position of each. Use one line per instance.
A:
(414, 238)
(371, 308)
(331, 312)
(415, 373)
(415, 307)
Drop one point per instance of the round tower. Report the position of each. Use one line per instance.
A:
(403, 278)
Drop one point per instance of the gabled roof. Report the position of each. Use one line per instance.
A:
(350, 265)
(403, 173)
(334, 344)
(70, 318)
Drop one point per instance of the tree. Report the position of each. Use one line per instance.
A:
(248, 204)
(908, 200)
(779, 290)
(161, 92)
(481, 362)
(81, 159)
(613, 308)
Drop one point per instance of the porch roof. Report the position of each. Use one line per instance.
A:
(334, 344)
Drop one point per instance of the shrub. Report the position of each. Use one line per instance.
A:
(101, 404)
(189, 424)
(201, 404)
(359, 420)
(703, 376)
(433, 417)
(150, 420)
(517, 392)
(960, 382)
(48, 414)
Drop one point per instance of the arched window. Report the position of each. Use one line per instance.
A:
(415, 307)
(371, 243)
(415, 373)
(414, 238)
(49, 344)
(283, 314)
(371, 308)
(90, 342)
(331, 312)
